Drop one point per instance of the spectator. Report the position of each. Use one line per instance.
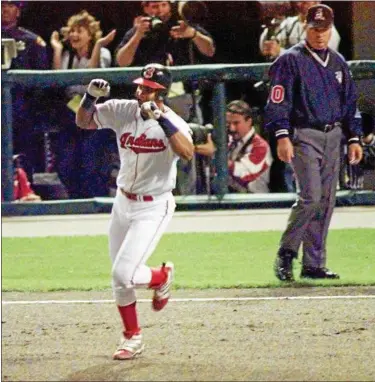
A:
(249, 155)
(22, 190)
(353, 176)
(167, 44)
(78, 162)
(291, 31)
(31, 54)
(171, 42)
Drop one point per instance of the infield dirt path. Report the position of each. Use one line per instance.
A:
(261, 340)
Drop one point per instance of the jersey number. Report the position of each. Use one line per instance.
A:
(277, 94)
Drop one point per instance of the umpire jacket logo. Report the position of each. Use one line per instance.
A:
(142, 144)
(339, 76)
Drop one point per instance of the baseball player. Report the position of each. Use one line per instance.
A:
(150, 139)
(312, 101)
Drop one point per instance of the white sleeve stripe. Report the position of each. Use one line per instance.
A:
(282, 131)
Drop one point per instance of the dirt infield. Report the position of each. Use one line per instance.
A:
(289, 339)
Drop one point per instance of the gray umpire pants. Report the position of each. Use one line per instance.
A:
(316, 165)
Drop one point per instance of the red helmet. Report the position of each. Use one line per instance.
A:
(155, 76)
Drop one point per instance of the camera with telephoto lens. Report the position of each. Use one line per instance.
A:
(155, 23)
(272, 13)
(200, 132)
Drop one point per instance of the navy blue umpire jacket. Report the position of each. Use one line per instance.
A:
(307, 91)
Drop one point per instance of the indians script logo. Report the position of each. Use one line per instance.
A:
(142, 144)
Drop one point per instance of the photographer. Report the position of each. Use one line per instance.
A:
(159, 36)
(291, 31)
(249, 155)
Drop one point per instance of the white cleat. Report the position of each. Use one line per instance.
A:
(162, 293)
(129, 348)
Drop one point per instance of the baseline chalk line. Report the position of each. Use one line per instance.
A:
(194, 299)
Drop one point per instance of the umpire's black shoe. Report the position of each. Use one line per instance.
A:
(318, 273)
(284, 265)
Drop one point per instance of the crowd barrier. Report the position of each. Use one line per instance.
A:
(218, 74)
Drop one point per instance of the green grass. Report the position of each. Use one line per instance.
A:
(203, 260)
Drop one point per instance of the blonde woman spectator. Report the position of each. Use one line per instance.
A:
(81, 47)
(83, 36)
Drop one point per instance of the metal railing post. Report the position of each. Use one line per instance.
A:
(6, 142)
(219, 102)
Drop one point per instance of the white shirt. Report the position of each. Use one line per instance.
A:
(295, 29)
(148, 163)
(82, 63)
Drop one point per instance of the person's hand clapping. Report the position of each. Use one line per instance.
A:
(104, 41)
(55, 41)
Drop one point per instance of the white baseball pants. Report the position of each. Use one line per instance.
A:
(135, 229)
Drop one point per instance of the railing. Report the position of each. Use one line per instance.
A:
(218, 74)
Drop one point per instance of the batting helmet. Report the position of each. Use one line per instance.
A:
(155, 76)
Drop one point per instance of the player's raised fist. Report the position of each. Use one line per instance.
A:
(150, 110)
(98, 88)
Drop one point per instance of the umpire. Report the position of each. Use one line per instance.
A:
(312, 101)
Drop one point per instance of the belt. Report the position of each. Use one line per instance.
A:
(325, 128)
(137, 197)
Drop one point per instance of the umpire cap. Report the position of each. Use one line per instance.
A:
(319, 16)
(155, 76)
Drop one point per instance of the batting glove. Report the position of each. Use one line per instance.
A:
(150, 110)
(98, 88)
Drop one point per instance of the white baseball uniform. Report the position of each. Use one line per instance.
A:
(144, 203)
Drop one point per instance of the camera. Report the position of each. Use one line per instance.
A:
(272, 13)
(200, 132)
(155, 23)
